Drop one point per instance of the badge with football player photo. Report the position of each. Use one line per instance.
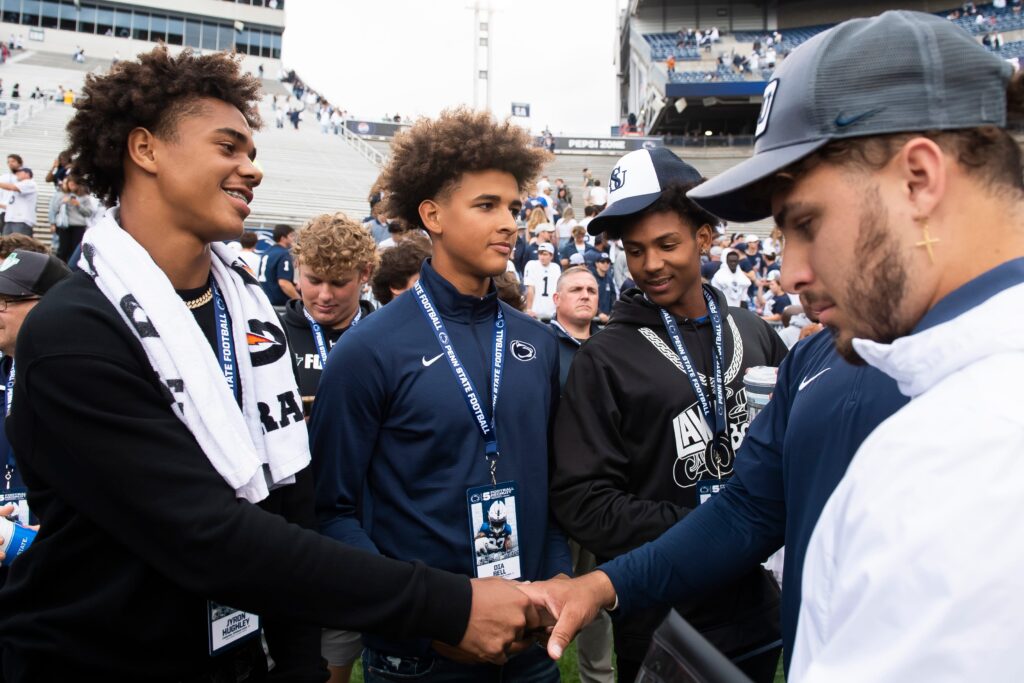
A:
(494, 530)
(18, 497)
(229, 626)
(707, 488)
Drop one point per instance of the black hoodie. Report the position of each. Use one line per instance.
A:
(305, 357)
(630, 443)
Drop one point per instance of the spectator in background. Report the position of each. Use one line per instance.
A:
(670, 63)
(26, 275)
(559, 185)
(564, 227)
(775, 300)
(75, 208)
(562, 203)
(598, 196)
(277, 270)
(540, 279)
(589, 211)
(714, 262)
(399, 268)
(731, 280)
(542, 235)
(248, 241)
(377, 223)
(577, 244)
(59, 170)
(20, 212)
(14, 162)
(606, 290)
(334, 258)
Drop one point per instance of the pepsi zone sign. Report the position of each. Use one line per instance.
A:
(612, 145)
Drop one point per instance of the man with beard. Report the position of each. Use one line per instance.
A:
(654, 408)
(909, 574)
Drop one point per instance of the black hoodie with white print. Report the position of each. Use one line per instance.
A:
(631, 443)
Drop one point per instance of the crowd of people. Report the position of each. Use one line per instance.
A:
(395, 439)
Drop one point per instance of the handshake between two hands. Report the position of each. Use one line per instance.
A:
(507, 617)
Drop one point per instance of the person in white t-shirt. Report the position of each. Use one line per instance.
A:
(598, 196)
(731, 279)
(20, 212)
(540, 278)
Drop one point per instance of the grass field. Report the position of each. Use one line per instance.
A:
(566, 666)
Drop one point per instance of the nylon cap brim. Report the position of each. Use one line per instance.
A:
(734, 194)
(610, 220)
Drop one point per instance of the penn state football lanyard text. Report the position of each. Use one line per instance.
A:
(714, 415)
(487, 427)
(225, 342)
(318, 334)
(8, 399)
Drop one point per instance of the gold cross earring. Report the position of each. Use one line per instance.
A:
(928, 240)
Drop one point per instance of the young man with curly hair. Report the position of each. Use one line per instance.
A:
(334, 258)
(158, 427)
(430, 427)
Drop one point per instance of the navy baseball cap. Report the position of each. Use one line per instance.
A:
(28, 273)
(636, 182)
(897, 72)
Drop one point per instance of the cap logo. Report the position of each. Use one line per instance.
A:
(617, 179)
(766, 108)
(9, 262)
(842, 121)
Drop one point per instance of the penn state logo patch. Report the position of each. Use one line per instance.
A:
(520, 350)
(617, 179)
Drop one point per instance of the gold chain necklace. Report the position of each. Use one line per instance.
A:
(201, 300)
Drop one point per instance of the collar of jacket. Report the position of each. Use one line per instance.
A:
(452, 304)
(973, 322)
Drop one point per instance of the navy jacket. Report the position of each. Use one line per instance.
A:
(791, 460)
(395, 447)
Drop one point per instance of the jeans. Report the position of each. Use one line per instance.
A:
(20, 228)
(532, 666)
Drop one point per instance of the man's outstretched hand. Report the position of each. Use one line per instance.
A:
(573, 602)
(502, 622)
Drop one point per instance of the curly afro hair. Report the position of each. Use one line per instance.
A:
(152, 92)
(429, 158)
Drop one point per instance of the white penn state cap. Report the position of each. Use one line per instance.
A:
(636, 182)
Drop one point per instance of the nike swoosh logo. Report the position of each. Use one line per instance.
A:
(808, 380)
(844, 121)
(428, 363)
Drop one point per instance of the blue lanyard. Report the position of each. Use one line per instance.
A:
(226, 342)
(318, 334)
(714, 415)
(9, 393)
(8, 399)
(487, 427)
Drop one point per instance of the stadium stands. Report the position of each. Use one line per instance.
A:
(723, 73)
(665, 44)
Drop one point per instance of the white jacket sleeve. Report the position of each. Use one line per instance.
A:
(915, 571)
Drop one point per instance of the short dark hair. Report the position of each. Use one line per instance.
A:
(16, 157)
(431, 156)
(590, 210)
(673, 199)
(397, 265)
(281, 231)
(248, 239)
(153, 92)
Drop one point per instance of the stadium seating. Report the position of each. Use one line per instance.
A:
(723, 73)
(664, 44)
